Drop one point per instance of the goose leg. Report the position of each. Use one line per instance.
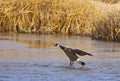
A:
(71, 63)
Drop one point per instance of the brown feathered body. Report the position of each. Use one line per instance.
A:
(72, 53)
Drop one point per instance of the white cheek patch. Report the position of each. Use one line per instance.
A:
(58, 45)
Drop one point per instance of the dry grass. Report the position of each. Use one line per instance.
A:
(82, 17)
(107, 26)
(110, 1)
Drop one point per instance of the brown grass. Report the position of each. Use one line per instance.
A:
(110, 1)
(82, 17)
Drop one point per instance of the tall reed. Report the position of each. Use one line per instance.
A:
(81, 17)
(110, 1)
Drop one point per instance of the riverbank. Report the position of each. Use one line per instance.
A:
(96, 19)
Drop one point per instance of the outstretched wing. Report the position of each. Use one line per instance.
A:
(81, 53)
(71, 54)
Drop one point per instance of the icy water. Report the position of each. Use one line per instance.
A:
(32, 57)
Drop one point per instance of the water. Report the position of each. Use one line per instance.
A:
(32, 57)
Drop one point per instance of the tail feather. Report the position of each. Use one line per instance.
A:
(82, 63)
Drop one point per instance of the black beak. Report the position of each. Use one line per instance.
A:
(55, 44)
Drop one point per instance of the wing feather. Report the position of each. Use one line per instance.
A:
(81, 53)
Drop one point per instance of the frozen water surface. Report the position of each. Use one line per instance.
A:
(52, 70)
(30, 57)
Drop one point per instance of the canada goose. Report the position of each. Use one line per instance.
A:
(72, 54)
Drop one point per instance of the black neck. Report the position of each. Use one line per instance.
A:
(62, 47)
